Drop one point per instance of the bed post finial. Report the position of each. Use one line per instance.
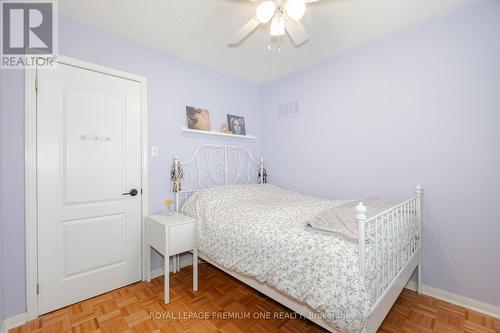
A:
(176, 174)
(360, 212)
(419, 190)
(262, 177)
(361, 219)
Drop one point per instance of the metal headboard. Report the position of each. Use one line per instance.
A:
(215, 165)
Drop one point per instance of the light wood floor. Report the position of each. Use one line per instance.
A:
(128, 310)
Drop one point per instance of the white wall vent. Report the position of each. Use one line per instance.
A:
(287, 110)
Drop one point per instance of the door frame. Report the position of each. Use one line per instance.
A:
(31, 195)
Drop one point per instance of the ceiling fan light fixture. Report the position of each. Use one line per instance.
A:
(283, 16)
(265, 11)
(295, 9)
(278, 26)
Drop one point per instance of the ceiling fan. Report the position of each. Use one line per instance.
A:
(284, 15)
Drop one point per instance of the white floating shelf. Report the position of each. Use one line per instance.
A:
(215, 133)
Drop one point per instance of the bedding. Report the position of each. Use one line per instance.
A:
(342, 220)
(258, 230)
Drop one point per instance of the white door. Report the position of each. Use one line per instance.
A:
(89, 153)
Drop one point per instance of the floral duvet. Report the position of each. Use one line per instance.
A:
(258, 230)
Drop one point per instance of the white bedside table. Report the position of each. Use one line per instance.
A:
(171, 235)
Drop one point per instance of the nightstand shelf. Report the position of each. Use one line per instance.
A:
(171, 235)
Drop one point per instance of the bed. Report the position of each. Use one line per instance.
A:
(256, 232)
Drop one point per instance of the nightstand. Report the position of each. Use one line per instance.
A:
(171, 235)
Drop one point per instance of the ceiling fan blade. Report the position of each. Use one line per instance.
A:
(297, 32)
(244, 31)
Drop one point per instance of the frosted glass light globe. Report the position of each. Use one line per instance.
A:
(295, 9)
(265, 11)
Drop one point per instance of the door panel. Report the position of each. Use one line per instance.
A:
(93, 160)
(107, 248)
(89, 153)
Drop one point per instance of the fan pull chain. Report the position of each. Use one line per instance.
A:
(269, 40)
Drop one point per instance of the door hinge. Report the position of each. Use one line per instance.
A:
(37, 83)
(38, 289)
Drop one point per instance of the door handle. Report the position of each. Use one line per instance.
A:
(133, 192)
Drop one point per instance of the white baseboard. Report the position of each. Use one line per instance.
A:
(13, 322)
(469, 303)
(185, 260)
(411, 285)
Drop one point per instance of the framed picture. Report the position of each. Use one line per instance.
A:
(198, 119)
(236, 124)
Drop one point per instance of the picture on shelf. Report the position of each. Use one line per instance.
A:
(236, 124)
(198, 119)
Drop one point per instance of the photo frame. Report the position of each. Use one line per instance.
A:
(236, 124)
(198, 119)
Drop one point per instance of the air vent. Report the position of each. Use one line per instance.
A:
(289, 109)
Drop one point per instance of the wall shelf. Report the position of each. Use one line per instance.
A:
(216, 133)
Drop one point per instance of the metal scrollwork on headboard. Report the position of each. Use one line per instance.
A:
(262, 176)
(176, 174)
(215, 165)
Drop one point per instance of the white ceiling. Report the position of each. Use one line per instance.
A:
(198, 30)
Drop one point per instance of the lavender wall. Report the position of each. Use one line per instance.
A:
(172, 84)
(421, 107)
(12, 194)
(2, 251)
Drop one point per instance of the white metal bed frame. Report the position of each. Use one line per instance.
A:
(385, 279)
